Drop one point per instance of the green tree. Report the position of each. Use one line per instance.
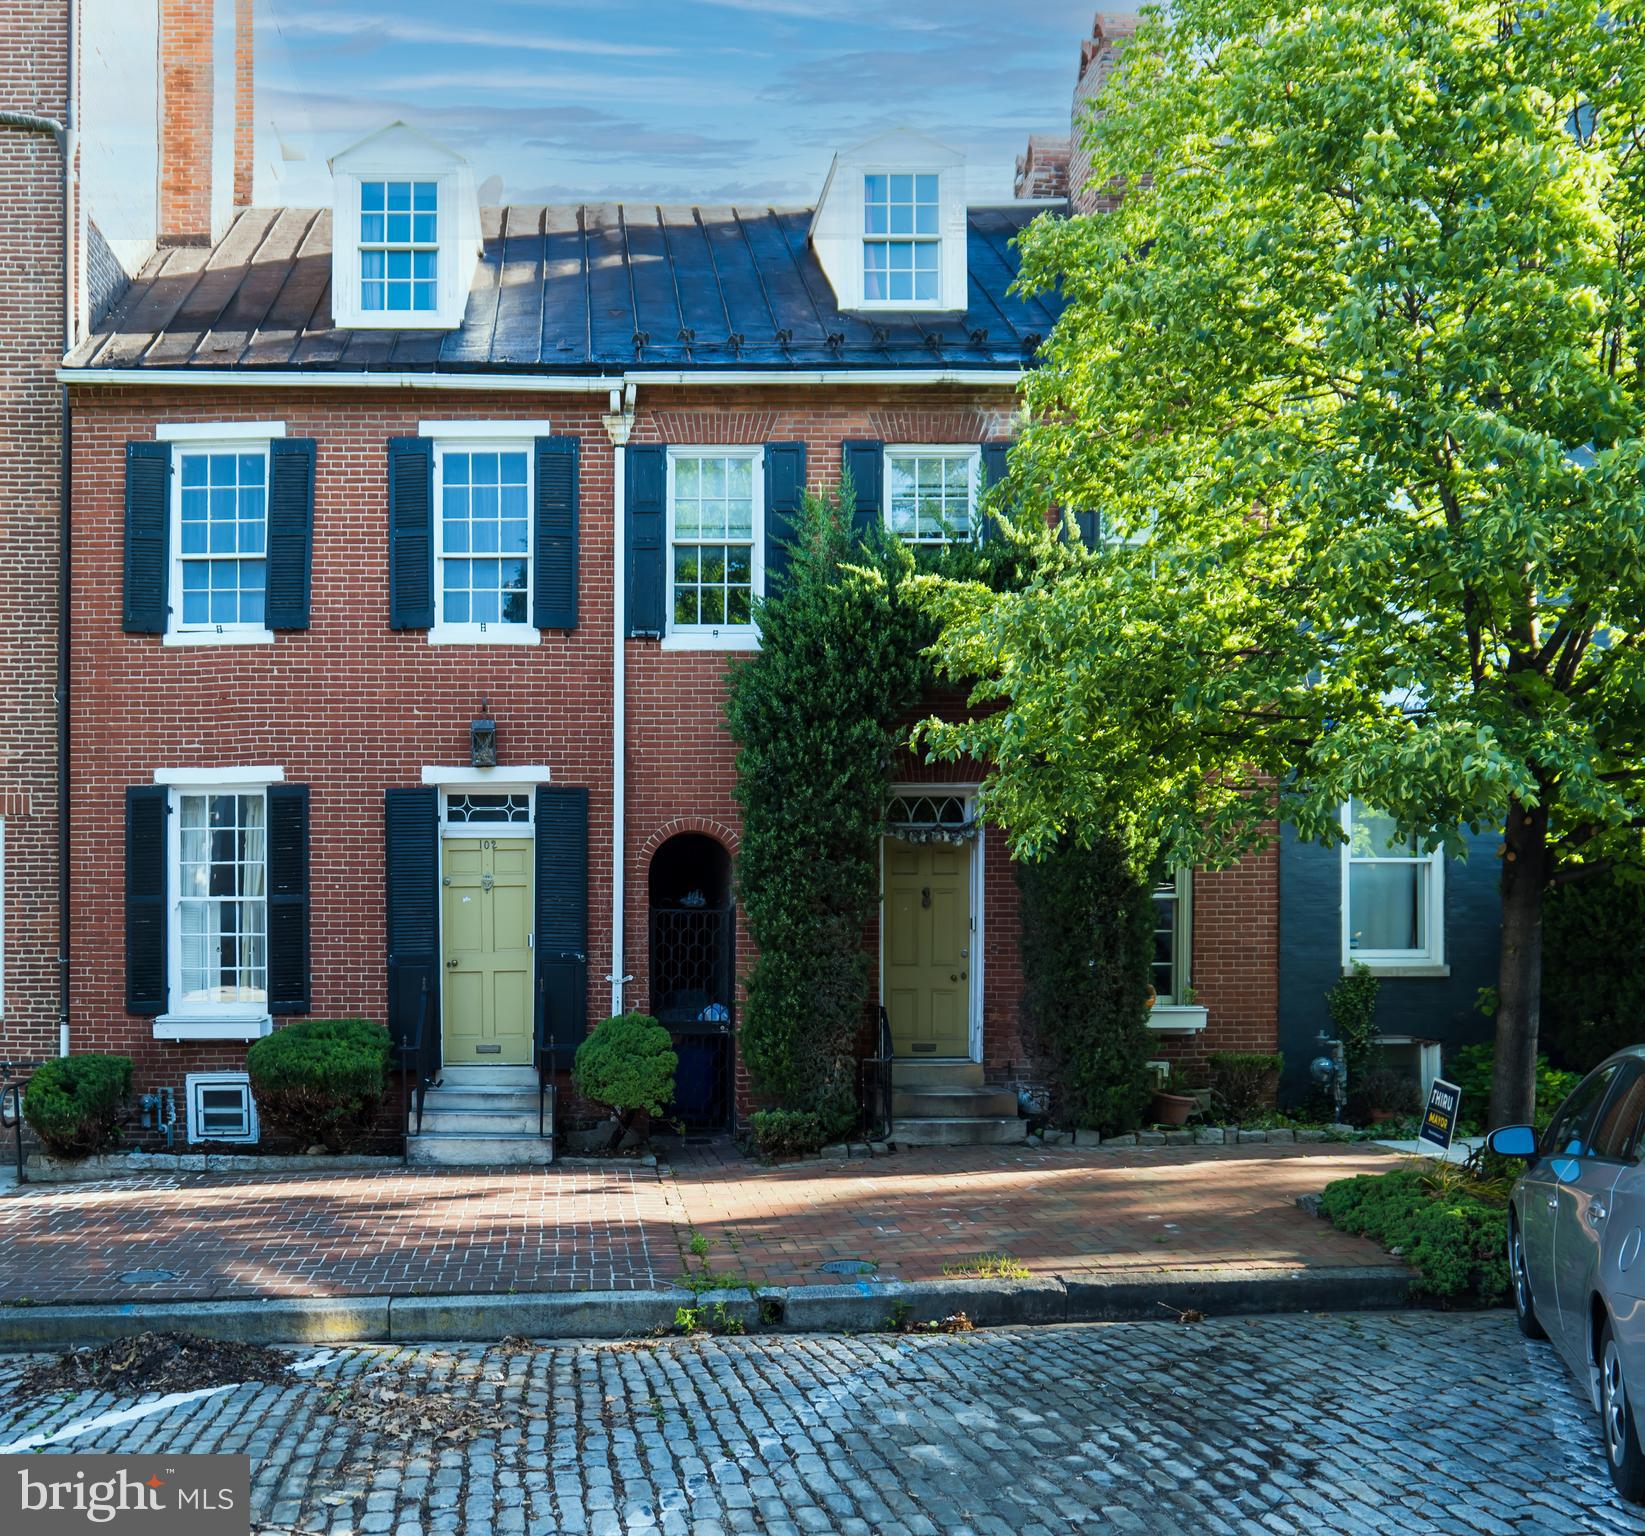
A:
(1354, 375)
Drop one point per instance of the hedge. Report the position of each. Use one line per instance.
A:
(321, 1080)
(75, 1104)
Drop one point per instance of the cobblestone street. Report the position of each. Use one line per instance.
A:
(1414, 1422)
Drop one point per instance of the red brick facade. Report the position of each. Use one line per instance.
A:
(350, 707)
(186, 84)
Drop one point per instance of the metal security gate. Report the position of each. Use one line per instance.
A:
(693, 984)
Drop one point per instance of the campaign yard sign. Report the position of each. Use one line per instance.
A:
(1439, 1120)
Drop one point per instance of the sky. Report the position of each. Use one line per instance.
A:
(710, 101)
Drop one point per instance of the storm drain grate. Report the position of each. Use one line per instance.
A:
(147, 1276)
(848, 1267)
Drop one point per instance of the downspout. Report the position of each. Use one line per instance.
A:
(619, 422)
(66, 137)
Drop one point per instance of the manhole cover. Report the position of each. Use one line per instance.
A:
(848, 1267)
(147, 1276)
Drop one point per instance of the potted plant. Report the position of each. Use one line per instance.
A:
(1172, 1108)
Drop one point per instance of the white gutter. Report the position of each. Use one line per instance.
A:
(618, 423)
(535, 383)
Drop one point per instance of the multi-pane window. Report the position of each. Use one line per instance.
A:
(222, 899)
(713, 515)
(1393, 891)
(463, 809)
(399, 245)
(931, 497)
(1169, 972)
(222, 540)
(901, 239)
(485, 536)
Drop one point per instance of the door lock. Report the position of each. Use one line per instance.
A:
(451, 965)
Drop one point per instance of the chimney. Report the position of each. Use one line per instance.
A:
(1042, 169)
(206, 117)
(1099, 56)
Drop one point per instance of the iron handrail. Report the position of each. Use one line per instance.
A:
(414, 1051)
(11, 1111)
(881, 1067)
(547, 1054)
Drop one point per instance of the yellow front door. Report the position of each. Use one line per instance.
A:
(928, 947)
(486, 944)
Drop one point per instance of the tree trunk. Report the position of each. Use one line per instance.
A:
(1519, 976)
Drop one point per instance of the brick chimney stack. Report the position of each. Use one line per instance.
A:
(1099, 56)
(1042, 170)
(206, 117)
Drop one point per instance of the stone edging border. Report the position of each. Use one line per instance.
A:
(866, 1306)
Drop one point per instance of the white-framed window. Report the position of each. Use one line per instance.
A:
(219, 532)
(218, 879)
(901, 239)
(484, 812)
(1173, 939)
(931, 493)
(220, 1107)
(483, 540)
(716, 546)
(1393, 894)
(399, 245)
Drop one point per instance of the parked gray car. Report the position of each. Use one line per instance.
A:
(1575, 1226)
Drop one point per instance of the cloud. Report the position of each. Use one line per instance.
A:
(377, 28)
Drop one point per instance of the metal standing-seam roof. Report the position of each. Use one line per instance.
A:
(596, 287)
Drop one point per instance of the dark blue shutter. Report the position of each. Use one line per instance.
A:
(146, 854)
(993, 472)
(1090, 528)
(645, 498)
(413, 867)
(290, 531)
(784, 495)
(410, 533)
(554, 574)
(562, 917)
(865, 463)
(148, 526)
(288, 898)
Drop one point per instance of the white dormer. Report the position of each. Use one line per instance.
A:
(405, 232)
(889, 228)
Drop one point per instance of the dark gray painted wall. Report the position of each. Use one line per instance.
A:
(1310, 955)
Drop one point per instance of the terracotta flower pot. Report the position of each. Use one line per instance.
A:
(1172, 1108)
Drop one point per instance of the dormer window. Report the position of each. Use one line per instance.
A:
(405, 233)
(902, 239)
(399, 245)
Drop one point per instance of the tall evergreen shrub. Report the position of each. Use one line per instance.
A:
(1087, 941)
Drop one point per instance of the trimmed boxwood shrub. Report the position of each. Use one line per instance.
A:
(75, 1104)
(627, 1064)
(1457, 1244)
(1243, 1083)
(321, 1080)
(786, 1132)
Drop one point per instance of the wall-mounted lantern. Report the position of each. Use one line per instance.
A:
(482, 743)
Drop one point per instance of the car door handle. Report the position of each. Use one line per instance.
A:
(1598, 1212)
(1553, 1202)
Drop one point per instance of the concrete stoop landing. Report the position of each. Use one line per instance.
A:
(481, 1116)
(947, 1104)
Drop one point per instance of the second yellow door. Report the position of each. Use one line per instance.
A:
(928, 947)
(486, 949)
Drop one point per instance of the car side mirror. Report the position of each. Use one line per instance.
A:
(1513, 1141)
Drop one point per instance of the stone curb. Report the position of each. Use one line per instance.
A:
(865, 1306)
(125, 1165)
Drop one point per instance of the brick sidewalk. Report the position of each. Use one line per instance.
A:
(1056, 1210)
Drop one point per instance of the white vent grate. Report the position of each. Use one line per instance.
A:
(220, 1107)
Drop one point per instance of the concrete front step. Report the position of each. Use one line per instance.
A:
(958, 1132)
(439, 1121)
(952, 1103)
(915, 1072)
(452, 1151)
(516, 1077)
(489, 1101)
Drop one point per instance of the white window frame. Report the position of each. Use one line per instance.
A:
(193, 1082)
(1429, 960)
(525, 829)
(715, 637)
(971, 452)
(413, 246)
(864, 239)
(347, 300)
(1182, 938)
(212, 437)
(489, 437)
(204, 1021)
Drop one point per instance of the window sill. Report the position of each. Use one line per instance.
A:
(726, 640)
(1177, 1018)
(212, 637)
(205, 1026)
(496, 634)
(1397, 968)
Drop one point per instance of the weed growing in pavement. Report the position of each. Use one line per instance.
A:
(988, 1266)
